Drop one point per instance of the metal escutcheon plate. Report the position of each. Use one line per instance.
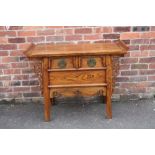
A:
(91, 62)
(62, 63)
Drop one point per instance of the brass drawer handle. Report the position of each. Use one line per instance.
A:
(62, 63)
(91, 62)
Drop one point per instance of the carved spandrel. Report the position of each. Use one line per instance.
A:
(115, 65)
(38, 71)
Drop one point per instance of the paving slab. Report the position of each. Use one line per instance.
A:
(126, 115)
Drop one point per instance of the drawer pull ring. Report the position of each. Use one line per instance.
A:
(62, 63)
(91, 62)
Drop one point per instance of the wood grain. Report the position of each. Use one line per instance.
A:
(77, 69)
(109, 87)
(85, 91)
(52, 50)
(77, 77)
(46, 91)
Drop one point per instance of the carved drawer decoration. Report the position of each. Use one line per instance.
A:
(61, 63)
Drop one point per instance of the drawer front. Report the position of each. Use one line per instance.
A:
(68, 92)
(92, 62)
(77, 62)
(77, 77)
(61, 63)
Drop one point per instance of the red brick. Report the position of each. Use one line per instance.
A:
(32, 27)
(7, 33)
(16, 53)
(144, 53)
(27, 71)
(64, 32)
(73, 37)
(152, 28)
(3, 40)
(36, 39)
(128, 85)
(4, 89)
(29, 83)
(111, 36)
(20, 77)
(34, 94)
(26, 33)
(139, 53)
(147, 47)
(135, 54)
(3, 53)
(11, 71)
(1, 72)
(133, 47)
(83, 31)
(5, 77)
(129, 73)
(4, 66)
(129, 60)
(129, 35)
(53, 27)
(15, 83)
(15, 27)
(46, 32)
(137, 90)
(124, 67)
(151, 78)
(122, 79)
(103, 30)
(148, 35)
(19, 65)
(8, 46)
(35, 88)
(140, 41)
(138, 79)
(147, 72)
(24, 46)
(118, 91)
(2, 27)
(16, 40)
(21, 89)
(147, 60)
(54, 38)
(122, 29)
(152, 66)
(152, 53)
(10, 59)
(139, 66)
(92, 37)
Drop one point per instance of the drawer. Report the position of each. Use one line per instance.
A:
(77, 77)
(68, 92)
(61, 63)
(77, 62)
(92, 62)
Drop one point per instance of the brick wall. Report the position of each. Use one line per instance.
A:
(137, 69)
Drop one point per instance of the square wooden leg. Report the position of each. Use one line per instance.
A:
(108, 107)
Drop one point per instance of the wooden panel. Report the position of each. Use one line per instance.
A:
(47, 50)
(96, 61)
(77, 77)
(68, 92)
(55, 63)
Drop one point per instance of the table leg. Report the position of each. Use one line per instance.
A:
(46, 91)
(109, 87)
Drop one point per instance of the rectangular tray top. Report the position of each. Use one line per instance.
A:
(46, 50)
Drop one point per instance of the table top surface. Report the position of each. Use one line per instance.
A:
(47, 50)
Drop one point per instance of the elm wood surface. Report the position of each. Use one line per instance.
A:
(73, 69)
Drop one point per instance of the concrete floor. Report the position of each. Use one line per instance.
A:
(132, 114)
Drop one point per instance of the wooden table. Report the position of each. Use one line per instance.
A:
(73, 69)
